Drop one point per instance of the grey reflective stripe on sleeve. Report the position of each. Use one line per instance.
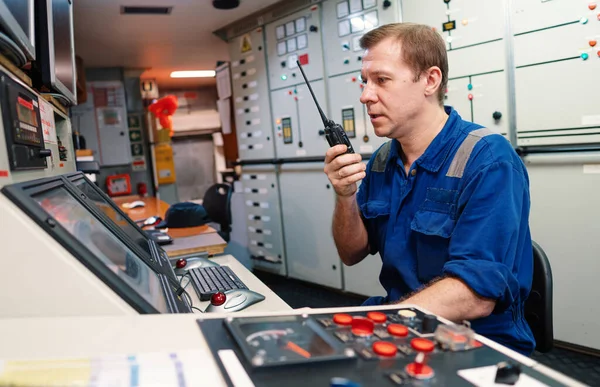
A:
(381, 159)
(459, 162)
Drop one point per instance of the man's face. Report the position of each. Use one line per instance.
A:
(392, 97)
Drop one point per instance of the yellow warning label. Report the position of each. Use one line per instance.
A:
(246, 44)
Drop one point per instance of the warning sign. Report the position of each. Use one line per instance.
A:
(246, 44)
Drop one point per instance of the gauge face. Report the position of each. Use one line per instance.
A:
(267, 341)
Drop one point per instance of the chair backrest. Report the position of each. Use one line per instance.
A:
(216, 202)
(538, 307)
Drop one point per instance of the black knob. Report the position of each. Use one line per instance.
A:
(282, 63)
(300, 145)
(45, 153)
(497, 115)
(507, 373)
(429, 323)
(321, 132)
(313, 28)
(387, 3)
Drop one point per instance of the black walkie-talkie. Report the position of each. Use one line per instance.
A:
(334, 133)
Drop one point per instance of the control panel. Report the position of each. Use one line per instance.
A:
(360, 347)
(299, 130)
(296, 37)
(22, 127)
(265, 236)
(250, 96)
(344, 23)
(573, 27)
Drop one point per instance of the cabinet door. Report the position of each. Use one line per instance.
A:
(307, 205)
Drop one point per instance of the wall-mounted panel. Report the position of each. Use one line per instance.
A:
(295, 37)
(344, 23)
(555, 108)
(558, 43)
(307, 202)
(298, 125)
(430, 12)
(457, 96)
(265, 235)
(348, 111)
(474, 21)
(476, 60)
(251, 96)
(490, 101)
(530, 15)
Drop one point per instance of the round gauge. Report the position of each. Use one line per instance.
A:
(284, 340)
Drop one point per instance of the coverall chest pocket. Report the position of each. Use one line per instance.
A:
(432, 227)
(377, 214)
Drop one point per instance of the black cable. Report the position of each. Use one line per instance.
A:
(186, 293)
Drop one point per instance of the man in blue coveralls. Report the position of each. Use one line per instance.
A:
(445, 202)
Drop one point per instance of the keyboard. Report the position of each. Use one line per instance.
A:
(210, 280)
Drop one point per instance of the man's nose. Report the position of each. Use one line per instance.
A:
(367, 95)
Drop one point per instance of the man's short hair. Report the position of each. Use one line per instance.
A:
(422, 48)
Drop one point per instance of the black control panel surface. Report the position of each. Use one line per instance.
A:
(22, 126)
(383, 347)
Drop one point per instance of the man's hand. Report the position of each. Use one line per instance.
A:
(344, 170)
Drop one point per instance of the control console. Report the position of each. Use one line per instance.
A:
(364, 346)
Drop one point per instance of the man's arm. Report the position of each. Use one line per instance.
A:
(451, 298)
(349, 232)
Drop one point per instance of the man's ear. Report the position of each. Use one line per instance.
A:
(433, 79)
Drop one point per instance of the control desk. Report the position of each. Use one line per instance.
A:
(361, 346)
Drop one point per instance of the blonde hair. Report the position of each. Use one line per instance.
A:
(422, 48)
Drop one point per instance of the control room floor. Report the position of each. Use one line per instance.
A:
(298, 294)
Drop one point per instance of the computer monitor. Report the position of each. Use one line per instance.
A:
(55, 44)
(56, 207)
(17, 22)
(103, 202)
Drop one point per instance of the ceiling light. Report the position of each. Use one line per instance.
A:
(193, 74)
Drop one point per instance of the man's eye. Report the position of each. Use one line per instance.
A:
(381, 80)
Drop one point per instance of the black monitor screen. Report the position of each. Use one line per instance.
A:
(107, 247)
(63, 50)
(16, 19)
(137, 235)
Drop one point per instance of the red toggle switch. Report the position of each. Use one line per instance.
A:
(419, 368)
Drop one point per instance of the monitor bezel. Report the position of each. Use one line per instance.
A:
(24, 39)
(165, 267)
(46, 51)
(21, 194)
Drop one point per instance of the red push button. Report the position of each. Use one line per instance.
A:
(342, 319)
(593, 43)
(377, 317)
(470, 97)
(362, 326)
(397, 330)
(592, 6)
(422, 345)
(385, 348)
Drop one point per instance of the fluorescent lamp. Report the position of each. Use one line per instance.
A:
(193, 74)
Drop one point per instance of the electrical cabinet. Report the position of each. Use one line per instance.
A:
(429, 12)
(265, 234)
(308, 201)
(348, 111)
(532, 15)
(344, 23)
(457, 96)
(251, 96)
(554, 109)
(489, 101)
(296, 37)
(298, 125)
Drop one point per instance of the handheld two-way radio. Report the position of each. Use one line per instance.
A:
(334, 133)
